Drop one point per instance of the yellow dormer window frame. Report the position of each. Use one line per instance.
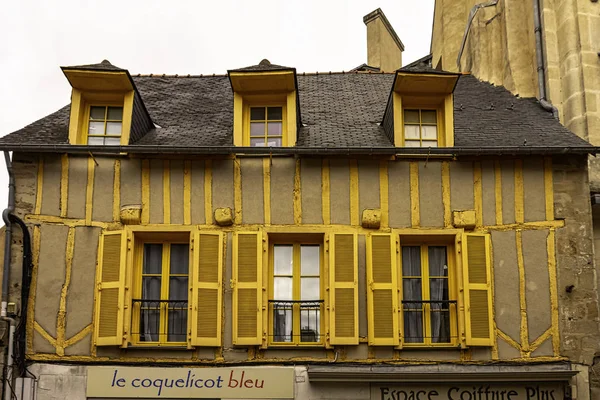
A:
(265, 125)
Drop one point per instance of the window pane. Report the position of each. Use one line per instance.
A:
(96, 128)
(428, 116)
(257, 129)
(260, 142)
(412, 143)
(177, 323)
(113, 128)
(413, 327)
(283, 259)
(412, 292)
(310, 289)
(152, 258)
(180, 254)
(151, 290)
(310, 260)
(438, 265)
(411, 116)
(282, 322)
(310, 323)
(112, 141)
(274, 128)
(115, 113)
(411, 260)
(149, 323)
(411, 132)
(429, 132)
(257, 113)
(440, 326)
(274, 142)
(95, 141)
(282, 288)
(178, 289)
(274, 113)
(97, 112)
(429, 143)
(438, 290)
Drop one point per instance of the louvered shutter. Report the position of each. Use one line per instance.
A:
(110, 289)
(247, 288)
(478, 290)
(206, 283)
(343, 270)
(382, 290)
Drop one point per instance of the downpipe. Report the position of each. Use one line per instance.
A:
(8, 374)
(539, 56)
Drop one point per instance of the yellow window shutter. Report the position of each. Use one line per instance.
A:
(110, 289)
(247, 288)
(206, 284)
(343, 271)
(478, 290)
(382, 290)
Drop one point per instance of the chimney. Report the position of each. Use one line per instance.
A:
(384, 48)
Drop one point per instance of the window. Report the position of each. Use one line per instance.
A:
(266, 126)
(176, 288)
(296, 301)
(105, 125)
(420, 128)
(428, 302)
(160, 311)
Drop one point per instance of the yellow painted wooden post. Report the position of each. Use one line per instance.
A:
(478, 290)
(343, 272)
(382, 290)
(206, 285)
(247, 288)
(110, 287)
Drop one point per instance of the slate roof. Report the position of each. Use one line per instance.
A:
(338, 111)
(264, 65)
(105, 65)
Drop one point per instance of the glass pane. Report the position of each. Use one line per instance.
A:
(283, 259)
(282, 288)
(429, 143)
(440, 326)
(411, 116)
(428, 116)
(438, 290)
(438, 264)
(149, 323)
(150, 290)
(274, 113)
(257, 129)
(310, 260)
(180, 254)
(412, 143)
(112, 141)
(260, 142)
(274, 142)
(96, 128)
(274, 128)
(152, 258)
(310, 289)
(97, 112)
(411, 260)
(115, 113)
(282, 322)
(177, 323)
(95, 141)
(412, 292)
(413, 326)
(411, 132)
(257, 113)
(310, 323)
(113, 128)
(178, 290)
(429, 132)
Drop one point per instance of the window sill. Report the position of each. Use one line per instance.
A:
(157, 347)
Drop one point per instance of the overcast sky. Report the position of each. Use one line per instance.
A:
(181, 37)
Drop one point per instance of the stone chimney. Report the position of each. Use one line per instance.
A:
(384, 48)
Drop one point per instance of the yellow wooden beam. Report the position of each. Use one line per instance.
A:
(78, 336)
(64, 184)
(117, 191)
(549, 188)
(40, 185)
(552, 275)
(525, 348)
(208, 191)
(498, 191)
(478, 193)
(446, 194)
(39, 329)
(297, 200)
(145, 218)
(267, 190)
(415, 214)
(519, 192)
(354, 217)
(237, 191)
(89, 190)
(187, 192)
(166, 192)
(325, 193)
(61, 320)
(541, 339)
(384, 193)
(35, 252)
(508, 340)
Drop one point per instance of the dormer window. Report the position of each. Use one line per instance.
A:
(266, 126)
(105, 125)
(420, 128)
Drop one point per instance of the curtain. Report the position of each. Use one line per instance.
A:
(412, 294)
(151, 284)
(438, 291)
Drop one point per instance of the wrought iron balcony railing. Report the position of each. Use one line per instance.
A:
(429, 319)
(283, 313)
(160, 320)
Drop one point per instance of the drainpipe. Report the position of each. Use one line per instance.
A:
(472, 14)
(539, 52)
(6, 273)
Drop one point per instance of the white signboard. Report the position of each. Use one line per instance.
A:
(466, 391)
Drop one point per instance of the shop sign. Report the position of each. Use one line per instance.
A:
(178, 383)
(466, 391)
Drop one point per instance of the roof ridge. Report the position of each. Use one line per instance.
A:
(351, 72)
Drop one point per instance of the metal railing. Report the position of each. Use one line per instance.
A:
(438, 330)
(160, 320)
(283, 312)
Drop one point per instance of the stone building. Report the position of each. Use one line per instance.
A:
(402, 234)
